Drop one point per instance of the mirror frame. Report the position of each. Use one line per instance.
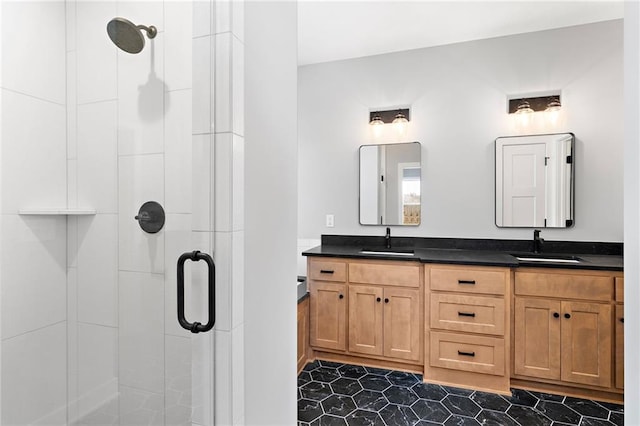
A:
(569, 222)
(360, 183)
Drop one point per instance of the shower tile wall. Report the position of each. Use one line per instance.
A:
(32, 253)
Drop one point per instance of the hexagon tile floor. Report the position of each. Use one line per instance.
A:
(342, 394)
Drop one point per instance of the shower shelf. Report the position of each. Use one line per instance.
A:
(59, 212)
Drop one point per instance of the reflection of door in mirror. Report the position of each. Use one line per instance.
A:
(534, 181)
(524, 194)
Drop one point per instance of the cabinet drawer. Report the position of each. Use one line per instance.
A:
(474, 314)
(619, 289)
(468, 353)
(467, 280)
(327, 270)
(392, 274)
(564, 286)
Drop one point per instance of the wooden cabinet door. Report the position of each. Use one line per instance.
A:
(402, 321)
(303, 332)
(586, 343)
(328, 315)
(537, 338)
(365, 319)
(619, 361)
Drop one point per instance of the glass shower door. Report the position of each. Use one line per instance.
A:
(90, 133)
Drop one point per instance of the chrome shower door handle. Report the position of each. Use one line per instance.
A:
(197, 327)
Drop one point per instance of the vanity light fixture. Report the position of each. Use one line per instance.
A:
(523, 107)
(399, 117)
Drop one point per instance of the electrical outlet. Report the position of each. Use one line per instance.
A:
(329, 221)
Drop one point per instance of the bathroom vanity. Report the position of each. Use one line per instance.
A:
(479, 314)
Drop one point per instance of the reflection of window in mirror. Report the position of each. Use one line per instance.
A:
(409, 178)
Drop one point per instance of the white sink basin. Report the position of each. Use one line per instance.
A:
(547, 260)
(388, 252)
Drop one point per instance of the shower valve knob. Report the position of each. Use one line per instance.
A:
(151, 217)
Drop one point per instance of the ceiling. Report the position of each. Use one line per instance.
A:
(332, 30)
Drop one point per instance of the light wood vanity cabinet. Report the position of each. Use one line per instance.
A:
(328, 315)
(563, 331)
(303, 333)
(375, 311)
(384, 321)
(619, 333)
(467, 339)
(480, 327)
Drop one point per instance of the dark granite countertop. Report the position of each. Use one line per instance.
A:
(590, 255)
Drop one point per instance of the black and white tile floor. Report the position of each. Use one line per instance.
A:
(340, 394)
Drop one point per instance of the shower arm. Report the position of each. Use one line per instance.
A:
(151, 30)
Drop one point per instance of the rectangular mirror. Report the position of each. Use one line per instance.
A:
(534, 181)
(390, 184)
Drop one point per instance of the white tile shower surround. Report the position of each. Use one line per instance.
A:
(141, 179)
(97, 269)
(37, 152)
(32, 297)
(27, 78)
(97, 155)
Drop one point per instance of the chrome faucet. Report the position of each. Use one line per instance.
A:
(537, 241)
(387, 238)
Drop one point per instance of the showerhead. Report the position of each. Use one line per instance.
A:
(127, 35)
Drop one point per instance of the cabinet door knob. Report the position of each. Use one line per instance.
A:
(386, 300)
(556, 315)
(341, 296)
(567, 315)
(378, 299)
(622, 320)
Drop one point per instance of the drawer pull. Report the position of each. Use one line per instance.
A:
(466, 353)
(472, 282)
(467, 314)
(556, 315)
(567, 316)
(386, 300)
(378, 299)
(341, 296)
(326, 271)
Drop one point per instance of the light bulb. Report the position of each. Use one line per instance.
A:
(523, 113)
(400, 122)
(553, 111)
(376, 126)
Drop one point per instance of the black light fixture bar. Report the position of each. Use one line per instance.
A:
(387, 116)
(537, 103)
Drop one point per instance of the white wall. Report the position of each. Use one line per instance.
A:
(631, 210)
(458, 95)
(271, 191)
